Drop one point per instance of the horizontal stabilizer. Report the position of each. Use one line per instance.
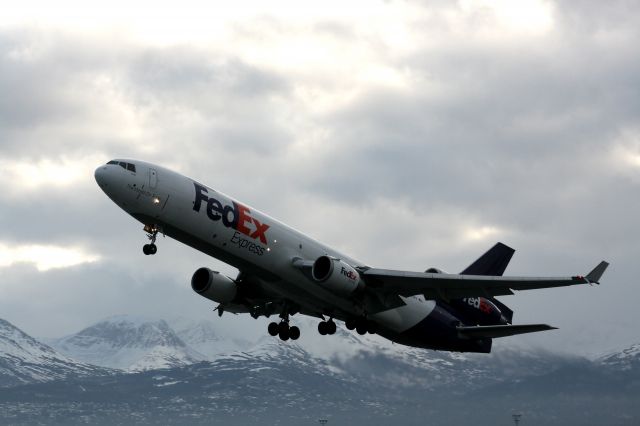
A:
(492, 331)
(595, 275)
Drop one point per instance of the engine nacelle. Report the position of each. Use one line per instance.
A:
(336, 275)
(479, 310)
(213, 285)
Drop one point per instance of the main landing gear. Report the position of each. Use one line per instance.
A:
(152, 234)
(361, 326)
(327, 327)
(283, 330)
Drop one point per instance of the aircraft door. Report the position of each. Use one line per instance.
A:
(153, 178)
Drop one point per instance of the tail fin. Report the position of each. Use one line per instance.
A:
(493, 262)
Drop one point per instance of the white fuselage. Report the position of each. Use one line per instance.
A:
(243, 237)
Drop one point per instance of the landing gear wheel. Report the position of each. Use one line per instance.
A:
(273, 329)
(283, 331)
(284, 334)
(331, 327)
(145, 249)
(372, 327)
(350, 324)
(323, 328)
(153, 249)
(361, 329)
(294, 333)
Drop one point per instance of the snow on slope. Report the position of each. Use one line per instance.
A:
(202, 336)
(23, 359)
(129, 343)
(625, 359)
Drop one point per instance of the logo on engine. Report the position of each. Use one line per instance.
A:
(235, 216)
(349, 274)
(478, 303)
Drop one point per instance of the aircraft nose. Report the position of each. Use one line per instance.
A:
(101, 177)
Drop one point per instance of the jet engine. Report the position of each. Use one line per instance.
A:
(213, 285)
(336, 275)
(480, 310)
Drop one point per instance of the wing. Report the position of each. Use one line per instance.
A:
(454, 286)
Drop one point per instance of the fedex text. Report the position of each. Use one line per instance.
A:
(235, 216)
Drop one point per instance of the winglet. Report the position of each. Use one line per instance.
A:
(595, 275)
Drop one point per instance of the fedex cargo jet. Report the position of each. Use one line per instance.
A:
(283, 272)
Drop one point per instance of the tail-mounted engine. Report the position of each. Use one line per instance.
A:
(336, 275)
(213, 285)
(479, 310)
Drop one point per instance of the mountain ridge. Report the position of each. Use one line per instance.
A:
(376, 383)
(24, 359)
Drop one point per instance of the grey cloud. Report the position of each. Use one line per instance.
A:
(63, 91)
(65, 301)
(232, 100)
(540, 114)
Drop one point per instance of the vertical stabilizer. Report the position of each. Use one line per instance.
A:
(492, 263)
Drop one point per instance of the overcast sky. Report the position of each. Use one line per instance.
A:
(406, 134)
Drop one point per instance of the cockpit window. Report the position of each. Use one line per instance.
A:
(126, 166)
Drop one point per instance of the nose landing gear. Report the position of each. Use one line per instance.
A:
(152, 234)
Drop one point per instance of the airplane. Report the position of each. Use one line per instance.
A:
(284, 272)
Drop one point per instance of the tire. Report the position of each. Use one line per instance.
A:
(361, 329)
(284, 334)
(273, 329)
(294, 333)
(372, 327)
(350, 324)
(331, 327)
(145, 249)
(153, 249)
(322, 328)
(283, 327)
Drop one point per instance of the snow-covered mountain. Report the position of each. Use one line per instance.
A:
(345, 377)
(134, 344)
(23, 359)
(283, 383)
(202, 336)
(626, 359)
(129, 343)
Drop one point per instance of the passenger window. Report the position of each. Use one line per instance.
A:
(131, 167)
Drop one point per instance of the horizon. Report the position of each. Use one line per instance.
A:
(310, 341)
